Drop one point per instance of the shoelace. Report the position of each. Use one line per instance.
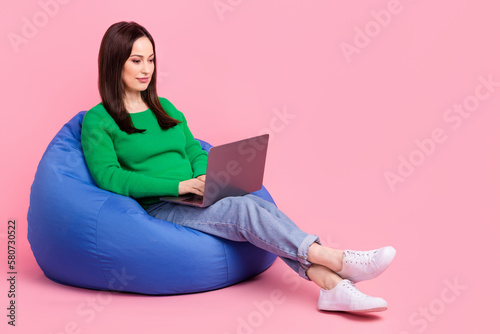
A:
(350, 285)
(359, 257)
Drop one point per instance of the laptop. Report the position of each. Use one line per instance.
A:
(233, 169)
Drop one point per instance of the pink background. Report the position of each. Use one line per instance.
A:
(339, 122)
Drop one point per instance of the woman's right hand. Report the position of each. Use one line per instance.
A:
(194, 186)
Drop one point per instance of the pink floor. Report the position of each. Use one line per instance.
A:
(440, 282)
(385, 131)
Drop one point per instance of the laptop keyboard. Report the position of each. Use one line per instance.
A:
(196, 199)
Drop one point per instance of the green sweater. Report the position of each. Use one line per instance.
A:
(144, 165)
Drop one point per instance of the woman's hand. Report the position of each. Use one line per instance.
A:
(194, 186)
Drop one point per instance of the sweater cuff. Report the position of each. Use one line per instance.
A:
(173, 188)
(159, 187)
(200, 169)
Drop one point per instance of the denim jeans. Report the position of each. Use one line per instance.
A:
(245, 218)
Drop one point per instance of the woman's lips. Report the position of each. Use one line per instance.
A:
(143, 80)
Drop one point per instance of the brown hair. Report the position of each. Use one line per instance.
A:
(116, 46)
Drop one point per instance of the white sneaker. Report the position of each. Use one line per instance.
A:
(346, 297)
(360, 266)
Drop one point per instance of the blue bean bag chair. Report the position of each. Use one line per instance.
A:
(87, 237)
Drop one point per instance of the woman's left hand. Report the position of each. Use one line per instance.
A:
(201, 178)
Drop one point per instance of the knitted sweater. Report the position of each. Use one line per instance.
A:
(144, 165)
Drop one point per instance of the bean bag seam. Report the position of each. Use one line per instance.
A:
(96, 241)
(75, 178)
(225, 260)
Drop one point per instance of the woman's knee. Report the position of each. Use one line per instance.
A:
(239, 200)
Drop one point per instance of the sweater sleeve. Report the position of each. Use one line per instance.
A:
(197, 156)
(105, 168)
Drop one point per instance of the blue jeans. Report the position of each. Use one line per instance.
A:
(245, 218)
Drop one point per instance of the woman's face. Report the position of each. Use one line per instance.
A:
(139, 67)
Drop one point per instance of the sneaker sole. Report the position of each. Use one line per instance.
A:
(376, 309)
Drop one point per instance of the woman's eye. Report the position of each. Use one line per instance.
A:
(136, 61)
(151, 60)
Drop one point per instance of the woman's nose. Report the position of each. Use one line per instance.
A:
(147, 67)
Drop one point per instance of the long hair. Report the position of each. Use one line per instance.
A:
(116, 46)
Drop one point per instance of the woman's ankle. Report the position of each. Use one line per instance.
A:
(328, 257)
(323, 277)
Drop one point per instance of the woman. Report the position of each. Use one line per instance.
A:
(139, 145)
